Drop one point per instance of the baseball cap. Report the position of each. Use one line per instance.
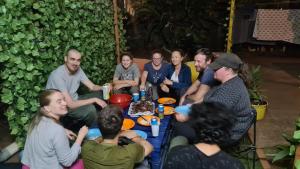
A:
(229, 60)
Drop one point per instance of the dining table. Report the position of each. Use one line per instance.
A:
(161, 142)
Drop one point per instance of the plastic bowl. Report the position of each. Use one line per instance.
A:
(184, 110)
(93, 133)
(122, 100)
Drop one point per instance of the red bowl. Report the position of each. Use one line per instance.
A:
(122, 100)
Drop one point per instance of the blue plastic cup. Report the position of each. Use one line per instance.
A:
(136, 97)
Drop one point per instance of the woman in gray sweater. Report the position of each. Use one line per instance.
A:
(47, 144)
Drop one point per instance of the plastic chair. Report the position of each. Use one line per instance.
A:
(194, 73)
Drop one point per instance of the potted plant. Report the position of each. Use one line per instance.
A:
(290, 152)
(257, 98)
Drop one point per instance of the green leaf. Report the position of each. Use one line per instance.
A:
(18, 37)
(36, 5)
(24, 119)
(3, 57)
(281, 154)
(7, 96)
(292, 150)
(14, 131)
(297, 164)
(30, 67)
(21, 103)
(296, 134)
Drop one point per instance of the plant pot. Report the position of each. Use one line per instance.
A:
(260, 110)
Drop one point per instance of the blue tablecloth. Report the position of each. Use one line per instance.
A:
(160, 143)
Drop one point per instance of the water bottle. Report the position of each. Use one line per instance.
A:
(150, 92)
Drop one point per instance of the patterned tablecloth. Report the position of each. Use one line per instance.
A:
(278, 25)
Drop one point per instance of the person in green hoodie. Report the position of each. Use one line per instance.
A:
(107, 154)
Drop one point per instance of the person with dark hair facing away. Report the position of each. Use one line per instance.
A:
(127, 75)
(178, 77)
(108, 154)
(47, 145)
(212, 123)
(154, 73)
(205, 81)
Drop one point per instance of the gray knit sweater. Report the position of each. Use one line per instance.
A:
(233, 93)
(47, 146)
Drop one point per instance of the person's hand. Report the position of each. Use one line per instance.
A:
(110, 87)
(181, 118)
(70, 134)
(100, 102)
(165, 88)
(182, 99)
(129, 134)
(168, 82)
(83, 131)
(142, 87)
(132, 83)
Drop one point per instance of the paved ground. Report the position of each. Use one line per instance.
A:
(281, 86)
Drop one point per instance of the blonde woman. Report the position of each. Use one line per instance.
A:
(47, 144)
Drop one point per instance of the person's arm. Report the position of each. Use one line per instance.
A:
(137, 139)
(72, 104)
(91, 86)
(66, 155)
(199, 95)
(143, 80)
(192, 89)
(148, 148)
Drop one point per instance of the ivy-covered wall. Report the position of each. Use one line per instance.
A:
(34, 36)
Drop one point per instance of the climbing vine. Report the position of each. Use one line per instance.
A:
(34, 36)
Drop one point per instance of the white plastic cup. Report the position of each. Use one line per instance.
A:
(105, 91)
(155, 130)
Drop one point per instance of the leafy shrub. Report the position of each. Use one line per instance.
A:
(34, 36)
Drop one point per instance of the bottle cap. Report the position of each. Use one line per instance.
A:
(154, 121)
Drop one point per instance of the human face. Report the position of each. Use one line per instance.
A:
(220, 74)
(72, 61)
(57, 106)
(200, 62)
(126, 61)
(176, 58)
(156, 59)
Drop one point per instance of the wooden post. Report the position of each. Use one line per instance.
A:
(230, 26)
(116, 28)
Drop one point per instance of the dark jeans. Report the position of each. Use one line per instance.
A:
(84, 115)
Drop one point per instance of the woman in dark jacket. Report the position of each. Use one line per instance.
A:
(178, 77)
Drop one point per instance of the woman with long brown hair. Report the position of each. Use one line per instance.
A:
(47, 144)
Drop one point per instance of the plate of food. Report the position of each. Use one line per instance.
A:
(168, 110)
(166, 100)
(127, 124)
(141, 108)
(146, 120)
